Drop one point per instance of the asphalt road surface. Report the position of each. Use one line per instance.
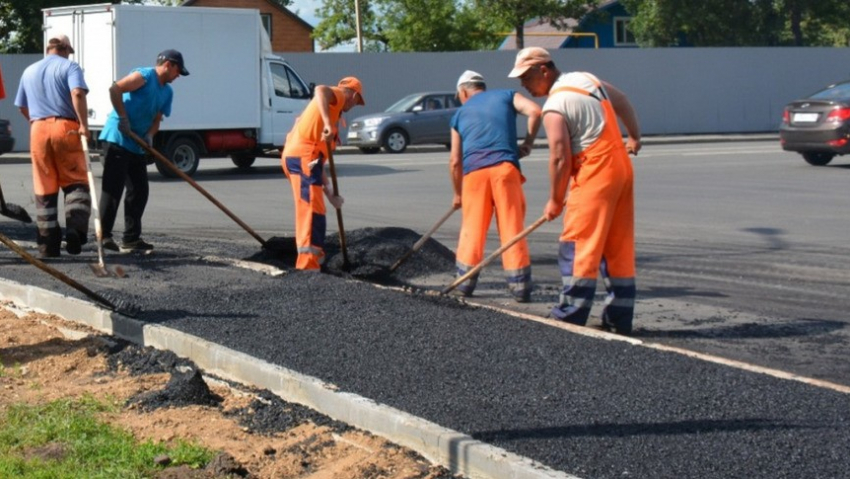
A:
(740, 254)
(742, 248)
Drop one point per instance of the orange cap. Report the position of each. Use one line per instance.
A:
(353, 83)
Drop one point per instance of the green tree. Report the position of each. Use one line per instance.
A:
(338, 25)
(739, 22)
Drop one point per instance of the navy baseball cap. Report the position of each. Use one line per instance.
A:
(173, 56)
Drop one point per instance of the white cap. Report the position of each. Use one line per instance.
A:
(469, 76)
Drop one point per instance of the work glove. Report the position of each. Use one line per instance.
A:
(124, 125)
(149, 140)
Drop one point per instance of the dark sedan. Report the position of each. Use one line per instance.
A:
(818, 126)
(419, 118)
(7, 142)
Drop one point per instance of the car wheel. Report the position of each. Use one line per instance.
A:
(184, 154)
(243, 162)
(369, 150)
(818, 158)
(395, 141)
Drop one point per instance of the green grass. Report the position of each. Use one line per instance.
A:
(94, 449)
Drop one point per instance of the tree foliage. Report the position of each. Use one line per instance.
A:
(405, 25)
(740, 22)
(437, 25)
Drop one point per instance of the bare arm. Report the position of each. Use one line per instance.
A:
(25, 111)
(626, 113)
(560, 163)
(81, 108)
(530, 109)
(131, 82)
(456, 167)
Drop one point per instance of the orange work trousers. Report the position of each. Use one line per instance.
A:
(498, 187)
(58, 162)
(305, 177)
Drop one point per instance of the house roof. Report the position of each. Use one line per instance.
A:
(539, 33)
(274, 3)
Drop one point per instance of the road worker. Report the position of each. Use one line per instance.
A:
(139, 101)
(486, 176)
(303, 160)
(52, 97)
(587, 156)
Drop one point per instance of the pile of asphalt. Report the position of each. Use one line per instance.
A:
(371, 253)
(590, 407)
(184, 388)
(269, 414)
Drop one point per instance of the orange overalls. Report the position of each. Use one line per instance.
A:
(598, 230)
(303, 161)
(497, 187)
(58, 163)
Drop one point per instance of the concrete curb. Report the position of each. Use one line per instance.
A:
(459, 452)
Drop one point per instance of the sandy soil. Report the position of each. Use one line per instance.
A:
(46, 358)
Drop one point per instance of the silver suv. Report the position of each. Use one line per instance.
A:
(416, 119)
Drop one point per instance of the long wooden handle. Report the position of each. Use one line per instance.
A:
(495, 254)
(98, 228)
(171, 166)
(342, 243)
(56, 273)
(424, 238)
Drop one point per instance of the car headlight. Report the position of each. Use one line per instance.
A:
(369, 122)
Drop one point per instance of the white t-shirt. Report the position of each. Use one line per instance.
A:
(584, 114)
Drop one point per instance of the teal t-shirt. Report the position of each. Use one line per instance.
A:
(142, 106)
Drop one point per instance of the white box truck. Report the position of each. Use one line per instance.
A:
(239, 100)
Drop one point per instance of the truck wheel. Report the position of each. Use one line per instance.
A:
(395, 141)
(817, 158)
(369, 150)
(243, 162)
(184, 154)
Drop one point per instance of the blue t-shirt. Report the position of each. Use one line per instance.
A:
(487, 125)
(142, 106)
(46, 87)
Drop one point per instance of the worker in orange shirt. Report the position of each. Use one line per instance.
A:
(588, 156)
(303, 160)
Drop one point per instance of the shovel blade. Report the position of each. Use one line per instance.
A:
(16, 212)
(99, 270)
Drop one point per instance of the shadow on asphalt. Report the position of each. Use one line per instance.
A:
(274, 171)
(803, 327)
(639, 429)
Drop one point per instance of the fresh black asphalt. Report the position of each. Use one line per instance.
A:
(586, 406)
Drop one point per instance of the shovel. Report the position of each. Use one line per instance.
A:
(345, 264)
(118, 305)
(13, 211)
(418, 245)
(495, 254)
(164, 161)
(99, 269)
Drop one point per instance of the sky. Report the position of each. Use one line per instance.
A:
(306, 9)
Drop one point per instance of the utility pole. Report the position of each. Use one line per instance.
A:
(359, 35)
